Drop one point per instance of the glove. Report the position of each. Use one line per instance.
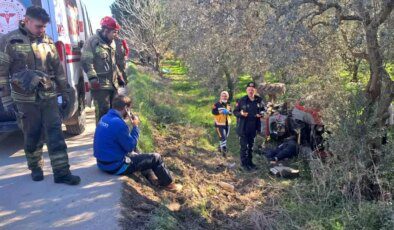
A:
(225, 112)
(65, 100)
(94, 83)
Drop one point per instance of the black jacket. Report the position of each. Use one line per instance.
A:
(249, 125)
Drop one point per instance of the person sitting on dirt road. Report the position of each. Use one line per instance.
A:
(113, 145)
(222, 112)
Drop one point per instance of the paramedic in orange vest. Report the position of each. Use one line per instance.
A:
(222, 116)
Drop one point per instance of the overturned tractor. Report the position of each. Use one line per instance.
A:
(303, 123)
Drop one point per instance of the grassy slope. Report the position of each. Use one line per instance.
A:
(184, 102)
(177, 122)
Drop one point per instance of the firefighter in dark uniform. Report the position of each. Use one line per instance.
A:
(99, 63)
(30, 63)
(248, 112)
(222, 112)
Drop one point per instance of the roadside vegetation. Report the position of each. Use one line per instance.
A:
(337, 56)
(177, 122)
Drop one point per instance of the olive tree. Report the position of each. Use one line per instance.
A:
(219, 40)
(359, 31)
(144, 27)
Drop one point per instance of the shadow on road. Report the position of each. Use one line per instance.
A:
(24, 204)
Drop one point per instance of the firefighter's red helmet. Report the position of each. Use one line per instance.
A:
(110, 23)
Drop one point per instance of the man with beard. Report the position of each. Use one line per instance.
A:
(114, 144)
(99, 62)
(30, 62)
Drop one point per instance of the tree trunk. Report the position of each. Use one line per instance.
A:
(379, 92)
(379, 95)
(156, 62)
(258, 78)
(355, 67)
(230, 84)
(156, 58)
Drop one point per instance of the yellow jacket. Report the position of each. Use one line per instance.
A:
(220, 118)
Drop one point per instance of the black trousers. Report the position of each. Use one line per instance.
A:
(42, 119)
(246, 141)
(147, 164)
(102, 101)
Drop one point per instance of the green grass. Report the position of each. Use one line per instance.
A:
(175, 67)
(240, 87)
(155, 102)
(196, 104)
(202, 209)
(390, 70)
(185, 102)
(339, 214)
(145, 143)
(162, 219)
(182, 100)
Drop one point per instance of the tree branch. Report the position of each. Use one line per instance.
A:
(385, 11)
(361, 55)
(270, 3)
(350, 18)
(323, 7)
(319, 23)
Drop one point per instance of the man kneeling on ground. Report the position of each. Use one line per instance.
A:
(114, 143)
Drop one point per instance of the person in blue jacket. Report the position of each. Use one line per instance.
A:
(114, 144)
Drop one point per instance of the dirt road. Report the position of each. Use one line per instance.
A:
(24, 204)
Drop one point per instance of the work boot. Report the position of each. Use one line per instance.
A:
(224, 152)
(173, 187)
(37, 174)
(252, 165)
(68, 179)
(246, 167)
(219, 149)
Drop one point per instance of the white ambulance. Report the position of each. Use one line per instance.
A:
(69, 28)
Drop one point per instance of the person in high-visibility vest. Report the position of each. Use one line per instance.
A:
(222, 117)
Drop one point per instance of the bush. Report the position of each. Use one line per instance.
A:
(334, 196)
(167, 114)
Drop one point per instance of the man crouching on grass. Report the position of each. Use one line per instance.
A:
(114, 143)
